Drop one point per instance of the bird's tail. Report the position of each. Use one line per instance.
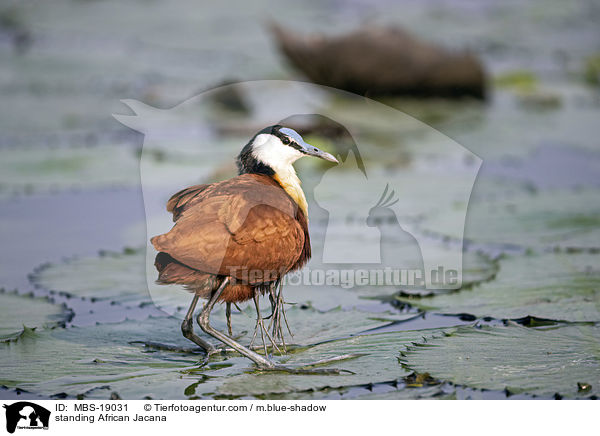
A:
(158, 242)
(172, 271)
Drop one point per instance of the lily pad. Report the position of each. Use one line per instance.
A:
(35, 169)
(518, 359)
(86, 360)
(378, 362)
(44, 169)
(20, 314)
(420, 393)
(94, 361)
(477, 269)
(116, 277)
(567, 219)
(554, 286)
(519, 80)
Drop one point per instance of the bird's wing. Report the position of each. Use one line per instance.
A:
(238, 227)
(184, 199)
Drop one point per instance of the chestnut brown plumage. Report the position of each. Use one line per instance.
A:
(247, 228)
(235, 240)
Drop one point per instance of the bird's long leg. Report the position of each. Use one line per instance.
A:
(256, 327)
(228, 316)
(274, 306)
(263, 363)
(259, 324)
(278, 314)
(203, 321)
(280, 295)
(272, 299)
(187, 328)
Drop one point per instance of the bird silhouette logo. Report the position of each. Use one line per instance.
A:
(196, 141)
(26, 415)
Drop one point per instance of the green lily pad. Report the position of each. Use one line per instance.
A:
(20, 314)
(515, 358)
(41, 169)
(554, 286)
(477, 269)
(34, 169)
(378, 362)
(420, 393)
(95, 361)
(519, 80)
(117, 277)
(86, 360)
(567, 219)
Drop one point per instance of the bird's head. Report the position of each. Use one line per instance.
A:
(274, 149)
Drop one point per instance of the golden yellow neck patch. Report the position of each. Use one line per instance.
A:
(291, 185)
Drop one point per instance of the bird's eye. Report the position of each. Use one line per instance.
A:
(285, 140)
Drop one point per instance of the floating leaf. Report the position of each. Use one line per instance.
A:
(563, 218)
(519, 359)
(21, 314)
(553, 286)
(79, 360)
(423, 393)
(42, 169)
(476, 269)
(112, 276)
(95, 361)
(378, 362)
(35, 169)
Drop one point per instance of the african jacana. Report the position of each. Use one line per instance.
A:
(236, 239)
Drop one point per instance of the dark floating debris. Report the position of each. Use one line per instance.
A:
(420, 379)
(584, 387)
(378, 62)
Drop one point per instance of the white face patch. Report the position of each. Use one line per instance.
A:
(269, 150)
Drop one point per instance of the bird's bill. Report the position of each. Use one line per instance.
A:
(310, 150)
(307, 149)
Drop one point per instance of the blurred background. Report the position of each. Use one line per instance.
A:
(517, 83)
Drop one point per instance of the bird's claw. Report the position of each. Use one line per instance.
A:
(220, 350)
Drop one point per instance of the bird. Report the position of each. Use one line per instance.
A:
(235, 240)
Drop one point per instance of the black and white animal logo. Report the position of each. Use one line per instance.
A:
(26, 415)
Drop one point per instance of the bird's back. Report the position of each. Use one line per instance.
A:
(246, 227)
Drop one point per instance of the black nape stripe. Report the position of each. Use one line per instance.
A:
(247, 164)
